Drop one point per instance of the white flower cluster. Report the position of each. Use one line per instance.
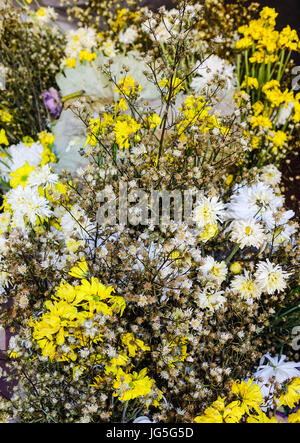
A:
(81, 39)
(258, 214)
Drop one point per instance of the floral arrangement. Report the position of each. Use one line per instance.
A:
(148, 259)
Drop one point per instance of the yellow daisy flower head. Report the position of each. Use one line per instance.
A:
(292, 395)
(80, 270)
(20, 176)
(269, 15)
(130, 386)
(220, 413)
(248, 395)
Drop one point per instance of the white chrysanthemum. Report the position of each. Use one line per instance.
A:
(208, 211)
(247, 233)
(245, 286)
(270, 278)
(257, 201)
(211, 299)
(270, 175)
(129, 36)
(42, 177)
(277, 220)
(45, 15)
(212, 269)
(19, 154)
(27, 205)
(211, 67)
(276, 367)
(80, 39)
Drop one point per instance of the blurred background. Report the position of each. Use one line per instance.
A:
(289, 11)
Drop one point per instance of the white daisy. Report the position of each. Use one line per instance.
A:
(258, 201)
(211, 67)
(208, 211)
(45, 15)
(18, 155)
(270, 175)
(27, 205)
(245, 286)
(247, 233)
(42, 177)
(214, 270)
(129, 36)
(270, 278)
(211, 299)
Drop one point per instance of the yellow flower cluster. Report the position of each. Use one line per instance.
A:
(262, 36)
(62, 332)
(265, 55)
(196, 113)
(274, 95)
(130, 386)
(128, 86)
(20, 176)
(173, 86)
(85, 55)
(292, 395)
(245, 403)
(67, 313)
(295, 418)
(123, 16)
(247, 400)
(250, 82)
(123, 126)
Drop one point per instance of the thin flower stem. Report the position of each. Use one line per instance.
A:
(230, 257)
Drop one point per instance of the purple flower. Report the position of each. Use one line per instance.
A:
(52, 102)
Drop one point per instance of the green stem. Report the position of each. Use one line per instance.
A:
(70, 96)
(229, 258)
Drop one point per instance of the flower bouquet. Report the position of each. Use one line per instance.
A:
(149, 264)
